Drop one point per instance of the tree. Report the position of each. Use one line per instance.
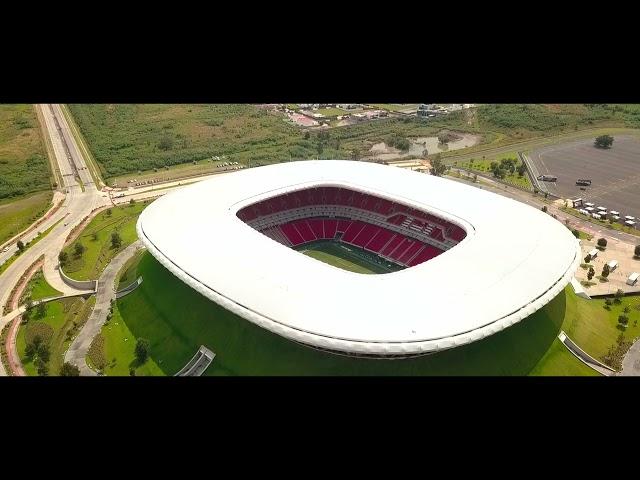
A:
(606, 270)
(438, 168)
(576, 233)
(444, 138)
(636, 251)
(69, 370)
(544, 208)
(587, 259)
(42, 310)
(20, 245)
(142, 350)
(602, 242)
(623, 320)
(618, 295)
(306, 135)
(78, 249)
(63, 257)
(132, 202)
(522, 169)
(626, 309)
(108, 212)
(603, 141)
(590, 273)
(116, 240)
(43, 369)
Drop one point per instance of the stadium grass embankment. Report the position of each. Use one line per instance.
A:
(177, 320)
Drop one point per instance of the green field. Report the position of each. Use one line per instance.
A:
(482, 165)
(24, 167)
(40, 288)
(346, 257)
(330, 112)
(99, 251)
(27, 245)
(60, 324)
(156, 311)
(396, 107)
(17, 214)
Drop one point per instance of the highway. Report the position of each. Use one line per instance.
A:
(77, 204)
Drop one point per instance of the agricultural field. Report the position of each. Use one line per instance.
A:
(61, 322)
(96, 239)
(16, 214)
(155, 311)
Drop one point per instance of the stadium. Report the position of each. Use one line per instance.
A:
(441, 264)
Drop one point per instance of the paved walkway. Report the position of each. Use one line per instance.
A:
(631, 362)
(77, 352)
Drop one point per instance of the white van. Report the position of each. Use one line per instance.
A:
(613, 264)
(593, 253)
(633, 278)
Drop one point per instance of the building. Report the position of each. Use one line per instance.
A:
(470, 263)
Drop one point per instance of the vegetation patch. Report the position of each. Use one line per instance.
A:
(95, 354)
(57, 326)
(18, 214)
(24, 167)
(108, 233)
(39, 329)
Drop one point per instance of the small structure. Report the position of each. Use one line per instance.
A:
(630, 223)
(198, 364)
(602, 209)
(613, 212)
(593, 253)
(633, 278)
(589, 204)
(613, 264)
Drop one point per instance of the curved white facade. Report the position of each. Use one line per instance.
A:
(513, 261)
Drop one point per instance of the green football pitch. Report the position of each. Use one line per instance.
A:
(347, 257)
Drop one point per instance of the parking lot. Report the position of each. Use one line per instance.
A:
(615, 172)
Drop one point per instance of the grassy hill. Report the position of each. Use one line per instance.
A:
(157, 311)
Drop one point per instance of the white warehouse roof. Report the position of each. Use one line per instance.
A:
(513, 261)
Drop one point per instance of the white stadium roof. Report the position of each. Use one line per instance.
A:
(513, 261)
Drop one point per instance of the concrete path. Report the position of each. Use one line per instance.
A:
(631, 362)
(77, 352)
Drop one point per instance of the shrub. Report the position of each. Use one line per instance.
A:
(602, 242)
(142, 350)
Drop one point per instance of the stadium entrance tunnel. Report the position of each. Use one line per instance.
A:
(352, 230)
